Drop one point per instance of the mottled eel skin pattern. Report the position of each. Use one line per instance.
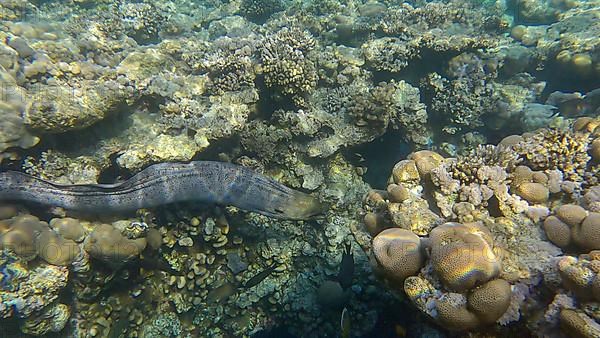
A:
(203, 181)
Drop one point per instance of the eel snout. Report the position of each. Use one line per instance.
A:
(302, 206)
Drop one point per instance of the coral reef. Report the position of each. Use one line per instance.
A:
(323, 96)
(476, 269)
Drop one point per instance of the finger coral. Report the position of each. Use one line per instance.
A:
(286, 64)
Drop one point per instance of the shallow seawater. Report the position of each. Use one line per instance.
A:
(316, 168)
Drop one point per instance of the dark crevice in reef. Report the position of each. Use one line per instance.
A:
(379, 156)
(566, 82)
(224, 149)
(429, 62)
(270, 100)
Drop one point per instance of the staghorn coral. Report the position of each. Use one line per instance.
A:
(394, 104)
(460, 103)
(142, 21)
(389, 54)
(230, 72)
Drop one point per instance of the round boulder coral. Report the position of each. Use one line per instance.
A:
(405, 171)
(595, 150)
(532, 192)
(69, 228)
(490, 301)
(453, 313)
(397, 254)
(21, 235)
(462, 255)
(587, 235)
(577, 324)
(571, 214)
(557, 231)
(107, 244)
(426, 160)
(54, 249)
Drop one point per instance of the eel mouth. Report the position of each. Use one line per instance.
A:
(302, 207)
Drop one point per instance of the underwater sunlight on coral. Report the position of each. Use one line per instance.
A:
(299, 168)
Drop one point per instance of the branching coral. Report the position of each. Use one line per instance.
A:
(556, 149)
(259, 10)
(286, 63)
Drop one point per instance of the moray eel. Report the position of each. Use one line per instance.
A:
(203, 181)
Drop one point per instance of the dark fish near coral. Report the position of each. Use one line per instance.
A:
(157, 263)
(221, 294)
(203, 181)
(259, 277)
(575, 108)
(346, 272)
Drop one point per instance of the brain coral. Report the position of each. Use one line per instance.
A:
(483, 305)
(462, 255)
(573, 227)
(398, 254)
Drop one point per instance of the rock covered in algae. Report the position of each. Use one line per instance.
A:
(57, 109)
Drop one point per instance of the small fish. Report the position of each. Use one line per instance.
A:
(156, 263)
(345, 323)
(346, 273)
(575, 108)
(259, 277)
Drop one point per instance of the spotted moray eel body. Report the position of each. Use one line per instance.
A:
(203, 181)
